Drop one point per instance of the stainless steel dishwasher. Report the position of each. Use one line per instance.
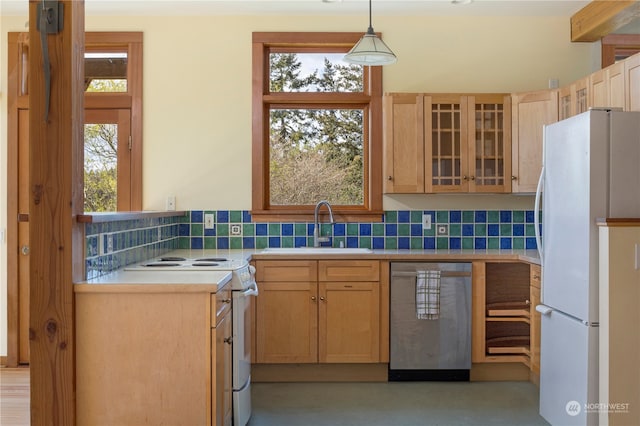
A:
(432, 343)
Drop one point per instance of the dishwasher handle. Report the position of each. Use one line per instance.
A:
(443, 274)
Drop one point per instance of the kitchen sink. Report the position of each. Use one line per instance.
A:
(316, 250)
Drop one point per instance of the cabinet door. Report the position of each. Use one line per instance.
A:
(632, 82)
(581, 100)
(535, 330)
(489, 143)
(446, 143)
(349, 322)
(403, 143)
(598, 92)
(530, 112)
(615, 85)
(566, 102)
(287, 322)
(222, 392)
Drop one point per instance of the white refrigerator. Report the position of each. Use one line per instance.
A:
(591, 170)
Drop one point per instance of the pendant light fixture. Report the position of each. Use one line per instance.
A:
(370, 50)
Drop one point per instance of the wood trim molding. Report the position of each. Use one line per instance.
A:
(600, 18)
(618, 221)
(615, 45)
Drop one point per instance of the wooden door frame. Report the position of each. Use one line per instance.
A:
(18, 42)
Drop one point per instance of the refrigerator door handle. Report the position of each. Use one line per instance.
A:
(536, 214)
(544, 309)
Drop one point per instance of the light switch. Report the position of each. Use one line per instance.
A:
(208, 220)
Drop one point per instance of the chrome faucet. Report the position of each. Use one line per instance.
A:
(317, 239)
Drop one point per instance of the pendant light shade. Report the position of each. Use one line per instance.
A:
(370, 50)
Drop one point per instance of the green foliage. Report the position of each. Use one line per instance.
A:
(100, 189)
(100, 167)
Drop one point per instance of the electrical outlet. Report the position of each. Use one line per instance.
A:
(426, 221)
(209, 218)
(171, 203)
(235, 229)
(442, 230)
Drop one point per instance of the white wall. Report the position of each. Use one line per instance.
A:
(197, 93)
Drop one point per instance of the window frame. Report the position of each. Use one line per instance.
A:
(370, 100)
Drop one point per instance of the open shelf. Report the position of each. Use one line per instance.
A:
(508, 309)
(508, 345)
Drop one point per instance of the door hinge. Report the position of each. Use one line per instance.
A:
(130, 143)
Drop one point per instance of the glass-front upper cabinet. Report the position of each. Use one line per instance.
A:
(468, 138)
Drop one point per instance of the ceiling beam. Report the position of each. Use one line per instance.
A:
(602, 17)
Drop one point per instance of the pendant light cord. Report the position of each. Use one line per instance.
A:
(370, 30)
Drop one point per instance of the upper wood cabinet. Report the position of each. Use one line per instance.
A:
(608, 86)
(447, 143)
(530, 112)
(632, 82)
(573, 99)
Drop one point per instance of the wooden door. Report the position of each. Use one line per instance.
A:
(632, 82)
(530, 112)
(489, 144)
(287, 322)
(403, 143)
(349, 329)
(446, 143)
(23, 236)
(223, 391)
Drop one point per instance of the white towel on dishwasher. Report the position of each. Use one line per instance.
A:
(428, 295)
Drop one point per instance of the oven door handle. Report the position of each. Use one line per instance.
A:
(251, 291)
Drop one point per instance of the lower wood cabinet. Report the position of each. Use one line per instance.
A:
(311, 311)
(152, 356)
(501, 320)
(536, 278)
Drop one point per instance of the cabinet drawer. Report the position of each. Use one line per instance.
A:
(536, 276)
(286, 270)
(220, 304)
(349, 270)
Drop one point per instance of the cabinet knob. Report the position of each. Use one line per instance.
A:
(465, 177)
(228, 340)
(389, 177)
(514, 178)
(313, 298)
(322, 298)
(25, 250)
(473, 178)
(527, 302)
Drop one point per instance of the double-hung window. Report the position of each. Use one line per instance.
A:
(317, 128)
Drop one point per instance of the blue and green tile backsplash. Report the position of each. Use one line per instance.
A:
(401, 229)
(112, 245)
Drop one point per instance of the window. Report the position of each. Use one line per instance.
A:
(317, 127)
(113, 121)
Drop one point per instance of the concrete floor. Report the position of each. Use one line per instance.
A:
(395, 404)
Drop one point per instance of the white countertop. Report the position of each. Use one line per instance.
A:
(156, 281)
